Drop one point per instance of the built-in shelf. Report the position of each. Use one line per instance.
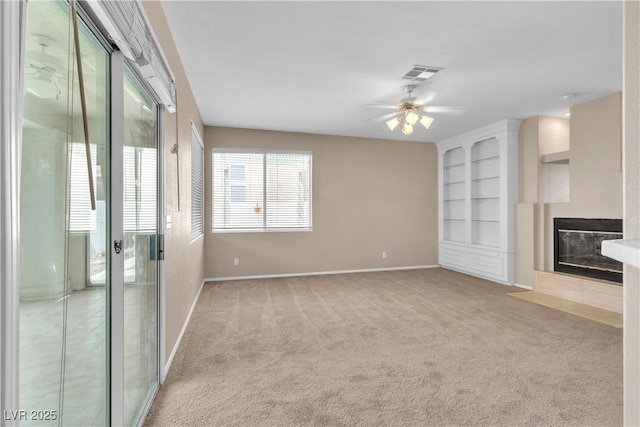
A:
(476, 214)
(487, 245)
(486, 158)
(559, 158)
(453, 166)
(454, 195)
(623, 250)
(485, 178)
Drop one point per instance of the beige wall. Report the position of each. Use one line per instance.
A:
(369, 196)
(593, 135)
(554, 135)
(184, 268)
(538, 136)
(596, 158)
(596, 167)
(525, 259)
(631, 129)
(528, 159)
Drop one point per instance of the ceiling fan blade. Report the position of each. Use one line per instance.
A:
(382, 105)
(436, 109)
(383, 118)
(425, 97)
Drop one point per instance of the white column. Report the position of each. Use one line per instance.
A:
(12, 37)
(631, 177)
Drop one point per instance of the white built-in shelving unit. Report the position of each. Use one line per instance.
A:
(453, 195)
(485, 193)
(479, 173)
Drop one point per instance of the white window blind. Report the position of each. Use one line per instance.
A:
(197, 185)
(81, 217)
(261, 191)
(140, 183)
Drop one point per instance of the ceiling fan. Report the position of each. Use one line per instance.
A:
(43, 70)
(411, 110)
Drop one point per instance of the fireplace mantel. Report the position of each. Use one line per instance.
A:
(623, 250)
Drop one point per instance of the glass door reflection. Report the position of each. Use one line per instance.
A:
(63, 318)
(140, 198)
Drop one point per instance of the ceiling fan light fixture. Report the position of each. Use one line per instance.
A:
(42, 86)
(391, 124)
(407, 129)
(426, 121)
(412, 118)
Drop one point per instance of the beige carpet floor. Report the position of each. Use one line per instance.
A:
(418, 347)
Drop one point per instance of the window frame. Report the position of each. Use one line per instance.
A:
(264, 229)
(198, 138)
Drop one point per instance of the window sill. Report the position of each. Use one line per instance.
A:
(262, 230)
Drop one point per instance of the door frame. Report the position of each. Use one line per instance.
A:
(116, 221)
(116, 232)
(13, 32)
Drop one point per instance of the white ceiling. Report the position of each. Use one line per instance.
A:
(314, 66)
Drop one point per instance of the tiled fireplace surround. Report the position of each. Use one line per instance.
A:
(605, 294)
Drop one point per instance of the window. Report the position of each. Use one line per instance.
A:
(236, 172)
(261, 190)
(237, 194)
(197, 184)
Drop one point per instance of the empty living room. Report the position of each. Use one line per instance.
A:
(283, 213)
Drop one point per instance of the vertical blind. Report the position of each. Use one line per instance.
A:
(197, 185)
(261, 191)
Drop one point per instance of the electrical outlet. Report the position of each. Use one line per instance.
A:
(236, 261)
(384, 255)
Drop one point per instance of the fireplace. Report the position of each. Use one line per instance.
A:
(577, 247)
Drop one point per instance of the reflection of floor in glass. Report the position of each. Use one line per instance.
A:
(41, 349)
(99, 275)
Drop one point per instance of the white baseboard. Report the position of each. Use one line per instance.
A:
(527, 287)
(474, 274)
(184, 328)
(317, 273)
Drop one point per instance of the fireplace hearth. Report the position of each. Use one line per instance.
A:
(578, 247)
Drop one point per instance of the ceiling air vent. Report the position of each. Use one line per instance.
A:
(420, 73)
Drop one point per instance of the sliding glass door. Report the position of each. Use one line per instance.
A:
(89, 229)
(64, 367)
(140, 201)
